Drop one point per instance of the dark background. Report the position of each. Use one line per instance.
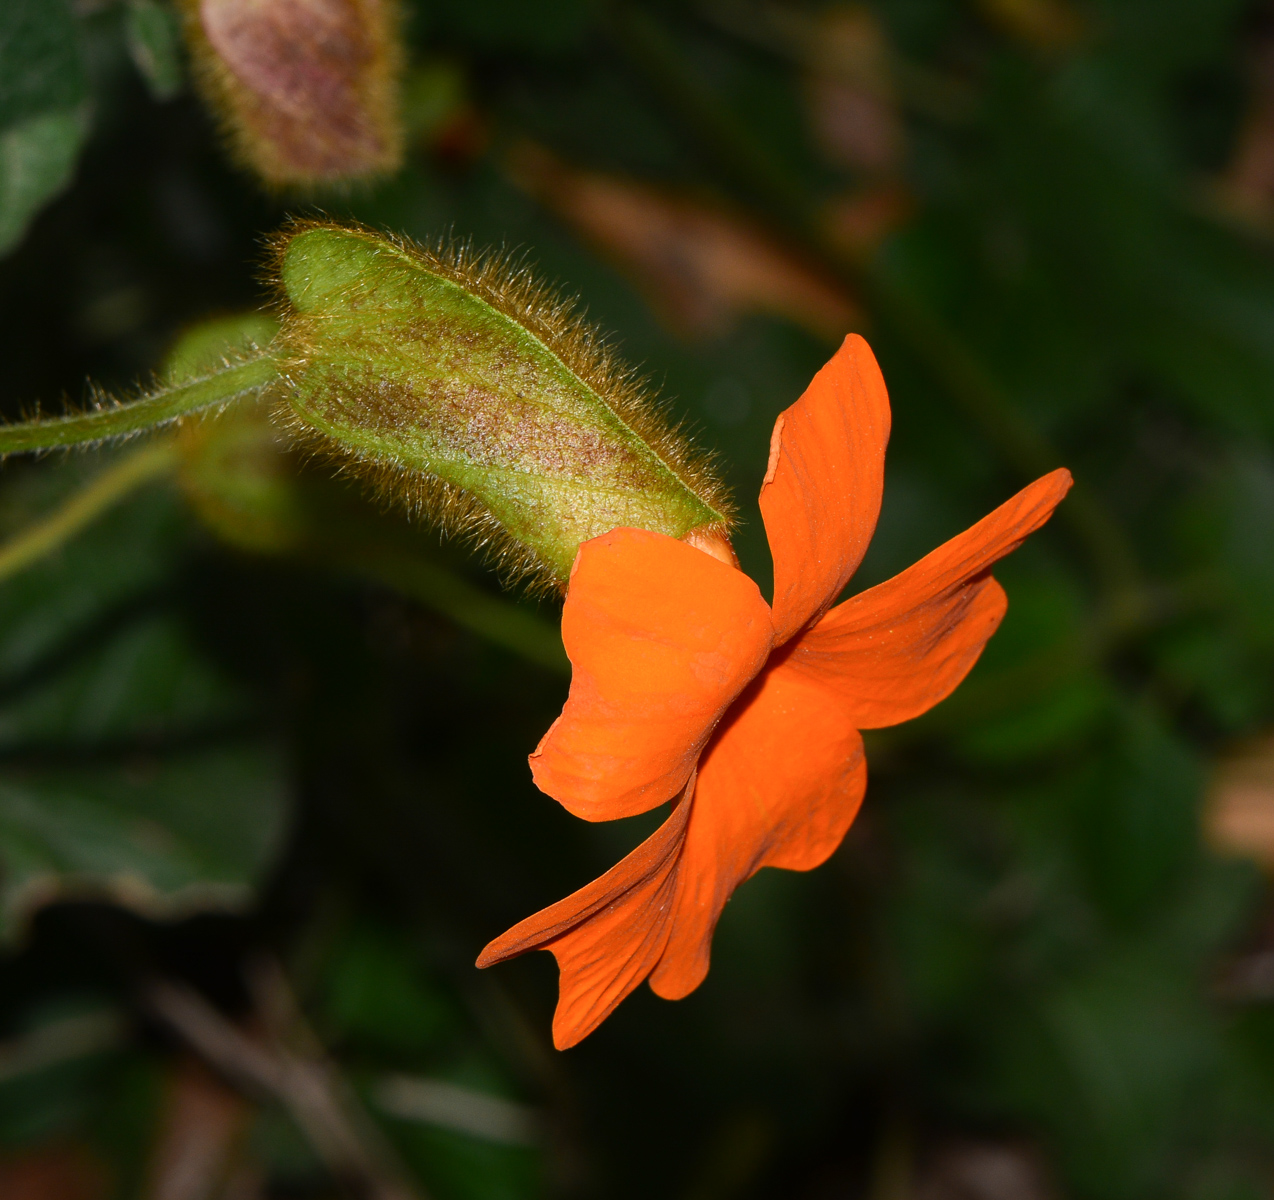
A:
(1040, 964)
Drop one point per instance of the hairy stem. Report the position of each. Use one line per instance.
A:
(157, 408)
(82, 508)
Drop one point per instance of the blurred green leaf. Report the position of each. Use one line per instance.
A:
(164, 837)
(377, 996)
(37, 160)
(43, 117)
(1137, 829)
(41, 66)
(126, 767)
(457, 1167)
(154, 41)
(1137, 1046)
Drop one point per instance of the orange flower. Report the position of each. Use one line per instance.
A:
(688, 687)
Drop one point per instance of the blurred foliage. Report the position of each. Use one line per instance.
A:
(247, 716)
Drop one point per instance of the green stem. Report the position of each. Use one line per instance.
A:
(85, 506)
(741, 158)
(118, 420)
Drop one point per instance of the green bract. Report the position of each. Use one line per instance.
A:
(419, 369)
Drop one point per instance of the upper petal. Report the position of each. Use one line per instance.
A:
(661, 639)
(892, 652)
(779, 785)
(821, 494)
(607, 936)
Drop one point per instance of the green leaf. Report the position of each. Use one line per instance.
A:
(163, 837)
(41, 67)
(1137, 829)
(377, 996)
(143, 681)
(37, 160)
(154, 42)
(43, 116)
(126, 768)
(1137, 1046)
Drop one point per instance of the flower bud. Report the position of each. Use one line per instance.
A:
(235, 468)
(472, 394)
(306, 89)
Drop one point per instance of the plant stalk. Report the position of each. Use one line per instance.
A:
(157, 408)
(82, 508)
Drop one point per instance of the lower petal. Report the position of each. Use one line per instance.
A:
(607, 936)
(779, 786)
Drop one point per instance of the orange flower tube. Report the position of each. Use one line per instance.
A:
(689, 688)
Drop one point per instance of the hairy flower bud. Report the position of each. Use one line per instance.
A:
(307, 90)
(469, 391)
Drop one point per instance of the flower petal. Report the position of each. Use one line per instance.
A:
(607, 936)
(661, 637)
(779, 786)
(821, 494)
(892, 652)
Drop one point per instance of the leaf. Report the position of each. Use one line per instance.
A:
(375, 994)
(37, 159)
(1136, 1047)
(162, 837)
(1137, 830)
(43, 120)
(126, 767)
(154, 42)
(41, 67)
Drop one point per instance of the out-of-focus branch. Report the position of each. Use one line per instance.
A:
(203, 1123)
(305, 1083)
(83, 507)
(60, 1041)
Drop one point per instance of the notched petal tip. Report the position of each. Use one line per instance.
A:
(823, 484)
(608, 936)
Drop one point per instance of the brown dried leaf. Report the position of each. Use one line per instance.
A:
(56, 1172)
(1238, 817)
(700, 267)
